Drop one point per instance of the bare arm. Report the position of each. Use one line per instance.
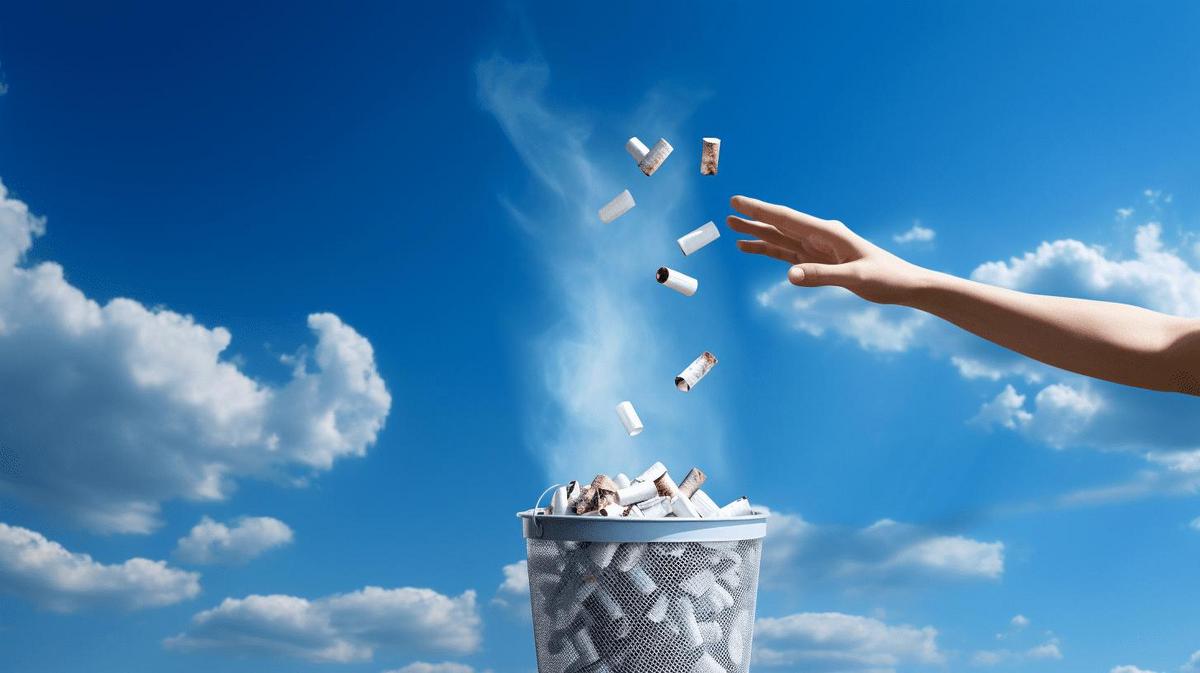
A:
(1116, 342)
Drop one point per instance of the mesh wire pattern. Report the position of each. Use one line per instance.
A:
(643, 607)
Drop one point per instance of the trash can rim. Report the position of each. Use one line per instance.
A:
(540, 526)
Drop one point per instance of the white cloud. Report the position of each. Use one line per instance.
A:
(513, 592)
(213, 542)
(1195, 524)
(1193, 663)
(610, 335)
(47, 574)
(423, 667)
(1045, 651)
(1124, 213)
(1129, 669)
(817, 311)
(886, 552)
(338, 628)
(111, 409)
(917, 234)
(1019, 622)
(842, 642)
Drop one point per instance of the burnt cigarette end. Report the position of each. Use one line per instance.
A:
(692, 481)
(680, 282)
(662, 274)
(689, 377)
(710, 154)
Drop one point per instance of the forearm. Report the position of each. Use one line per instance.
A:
(1116, 342)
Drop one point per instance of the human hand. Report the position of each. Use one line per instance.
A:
(823, 252)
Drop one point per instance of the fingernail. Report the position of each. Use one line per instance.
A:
(796, 275)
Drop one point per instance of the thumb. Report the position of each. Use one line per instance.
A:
(816, 275)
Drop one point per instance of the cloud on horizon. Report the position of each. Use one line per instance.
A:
(249, 537)
(834, 641)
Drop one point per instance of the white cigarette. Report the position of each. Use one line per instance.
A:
(689, 377)
(629, 418)
(711, 632)
(699, 583)
(737, 643)
(609, 604)
(637, 492)
(710, 154)
(613, 510)
(685, 616)
(718, 598)
(630, 556)
(637, 149)
(705, 505)
(672, 549)
(696, 239)
(739, 507)
(584, 646)
(641, 581)
(653, 472)
(658, 154)
(659, 610)
(558, 504)
(731, 577)
(692, 481)
(621, 479)
(656, 508)
(707, 664)
(683, 508)
(666, 485)
(634, 512)
(617, 207)
(680, 282)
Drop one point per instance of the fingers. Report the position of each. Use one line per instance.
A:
(766, 232)
(769, 250)
(816, 275)
(780, 216)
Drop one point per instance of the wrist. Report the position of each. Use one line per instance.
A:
(920, 284)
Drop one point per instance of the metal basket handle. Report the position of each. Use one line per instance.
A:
(537, 506)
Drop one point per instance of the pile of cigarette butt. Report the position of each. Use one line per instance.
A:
(653, 494)
(649, 159)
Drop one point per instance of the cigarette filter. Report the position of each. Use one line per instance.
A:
(621, 480)
(658, 154)
(699, 583)
(630, 556)
(739, 507)
(637, 149)
(584, 647)
(707, 664)
(711, 631)
(692, 481)
(641, 581)
(666, 485)
(653, 472)
(637, 492)
(620, 205)
(656, 508)
(659, 610)
(629, 418)
(697, 370)
(685, 618)
(710, 154)
(696, 239)
(558, 504)
(602, 553)
(704, 504)
(683, 508)
(608, 604)
(680, 282)
(634, 512)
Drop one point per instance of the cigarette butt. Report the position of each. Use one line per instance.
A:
(710, 632)
(739, 507)
(695, 239)
(641, 581)
(720, 546)
(630, 555)
(655, 158)
(634, 512)
(737, 643)
(636, 493)
(692, 481)
(637, 149)
(666, 485)
(558, 504)
(608, 604)
(731, 577)
(613, 510)
(710, 154)
(704, 504)
(620, 205)
(697, 370)
(699, 583)
(718, 598)
(685, 619)
(629, 418)
(672, 549)
(658, 611)
(683, 508)
(653, 472)
(584, 647)
(680, 282)
(622, 480)
(707, 664)
(656, 508)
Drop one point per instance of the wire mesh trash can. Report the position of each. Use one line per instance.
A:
(622, 595)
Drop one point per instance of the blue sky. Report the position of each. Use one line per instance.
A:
(299, 305)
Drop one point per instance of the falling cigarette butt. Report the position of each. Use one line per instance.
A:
(710, 154)
(620, 205)
(655, 158)
(699, 583)
(653, 472)
(629, 418)
(739, 507)
(641, 581)
(704, 504)
(697, 370)
(558, 504)
(666, 485)
(685, 615)
(637, 149)
(692, 481)
(622, 480)
(680, 282)
(659, 610)
(695, 239)
(635, 493)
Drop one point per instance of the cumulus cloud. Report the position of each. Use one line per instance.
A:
(1019, 622)
(1129, 669)
(1048, 650)
(113, 408)
(54, 578)
(1195, 524)
(423, 667)
(608, 339)
(513, 592)
(917, 234)
(339, 628)
(1193, 663)
(840, 642)
(213, 542)
(886, 552)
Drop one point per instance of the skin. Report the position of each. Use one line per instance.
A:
(1105, 340)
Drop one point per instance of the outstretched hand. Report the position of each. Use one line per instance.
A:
(823, 252)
